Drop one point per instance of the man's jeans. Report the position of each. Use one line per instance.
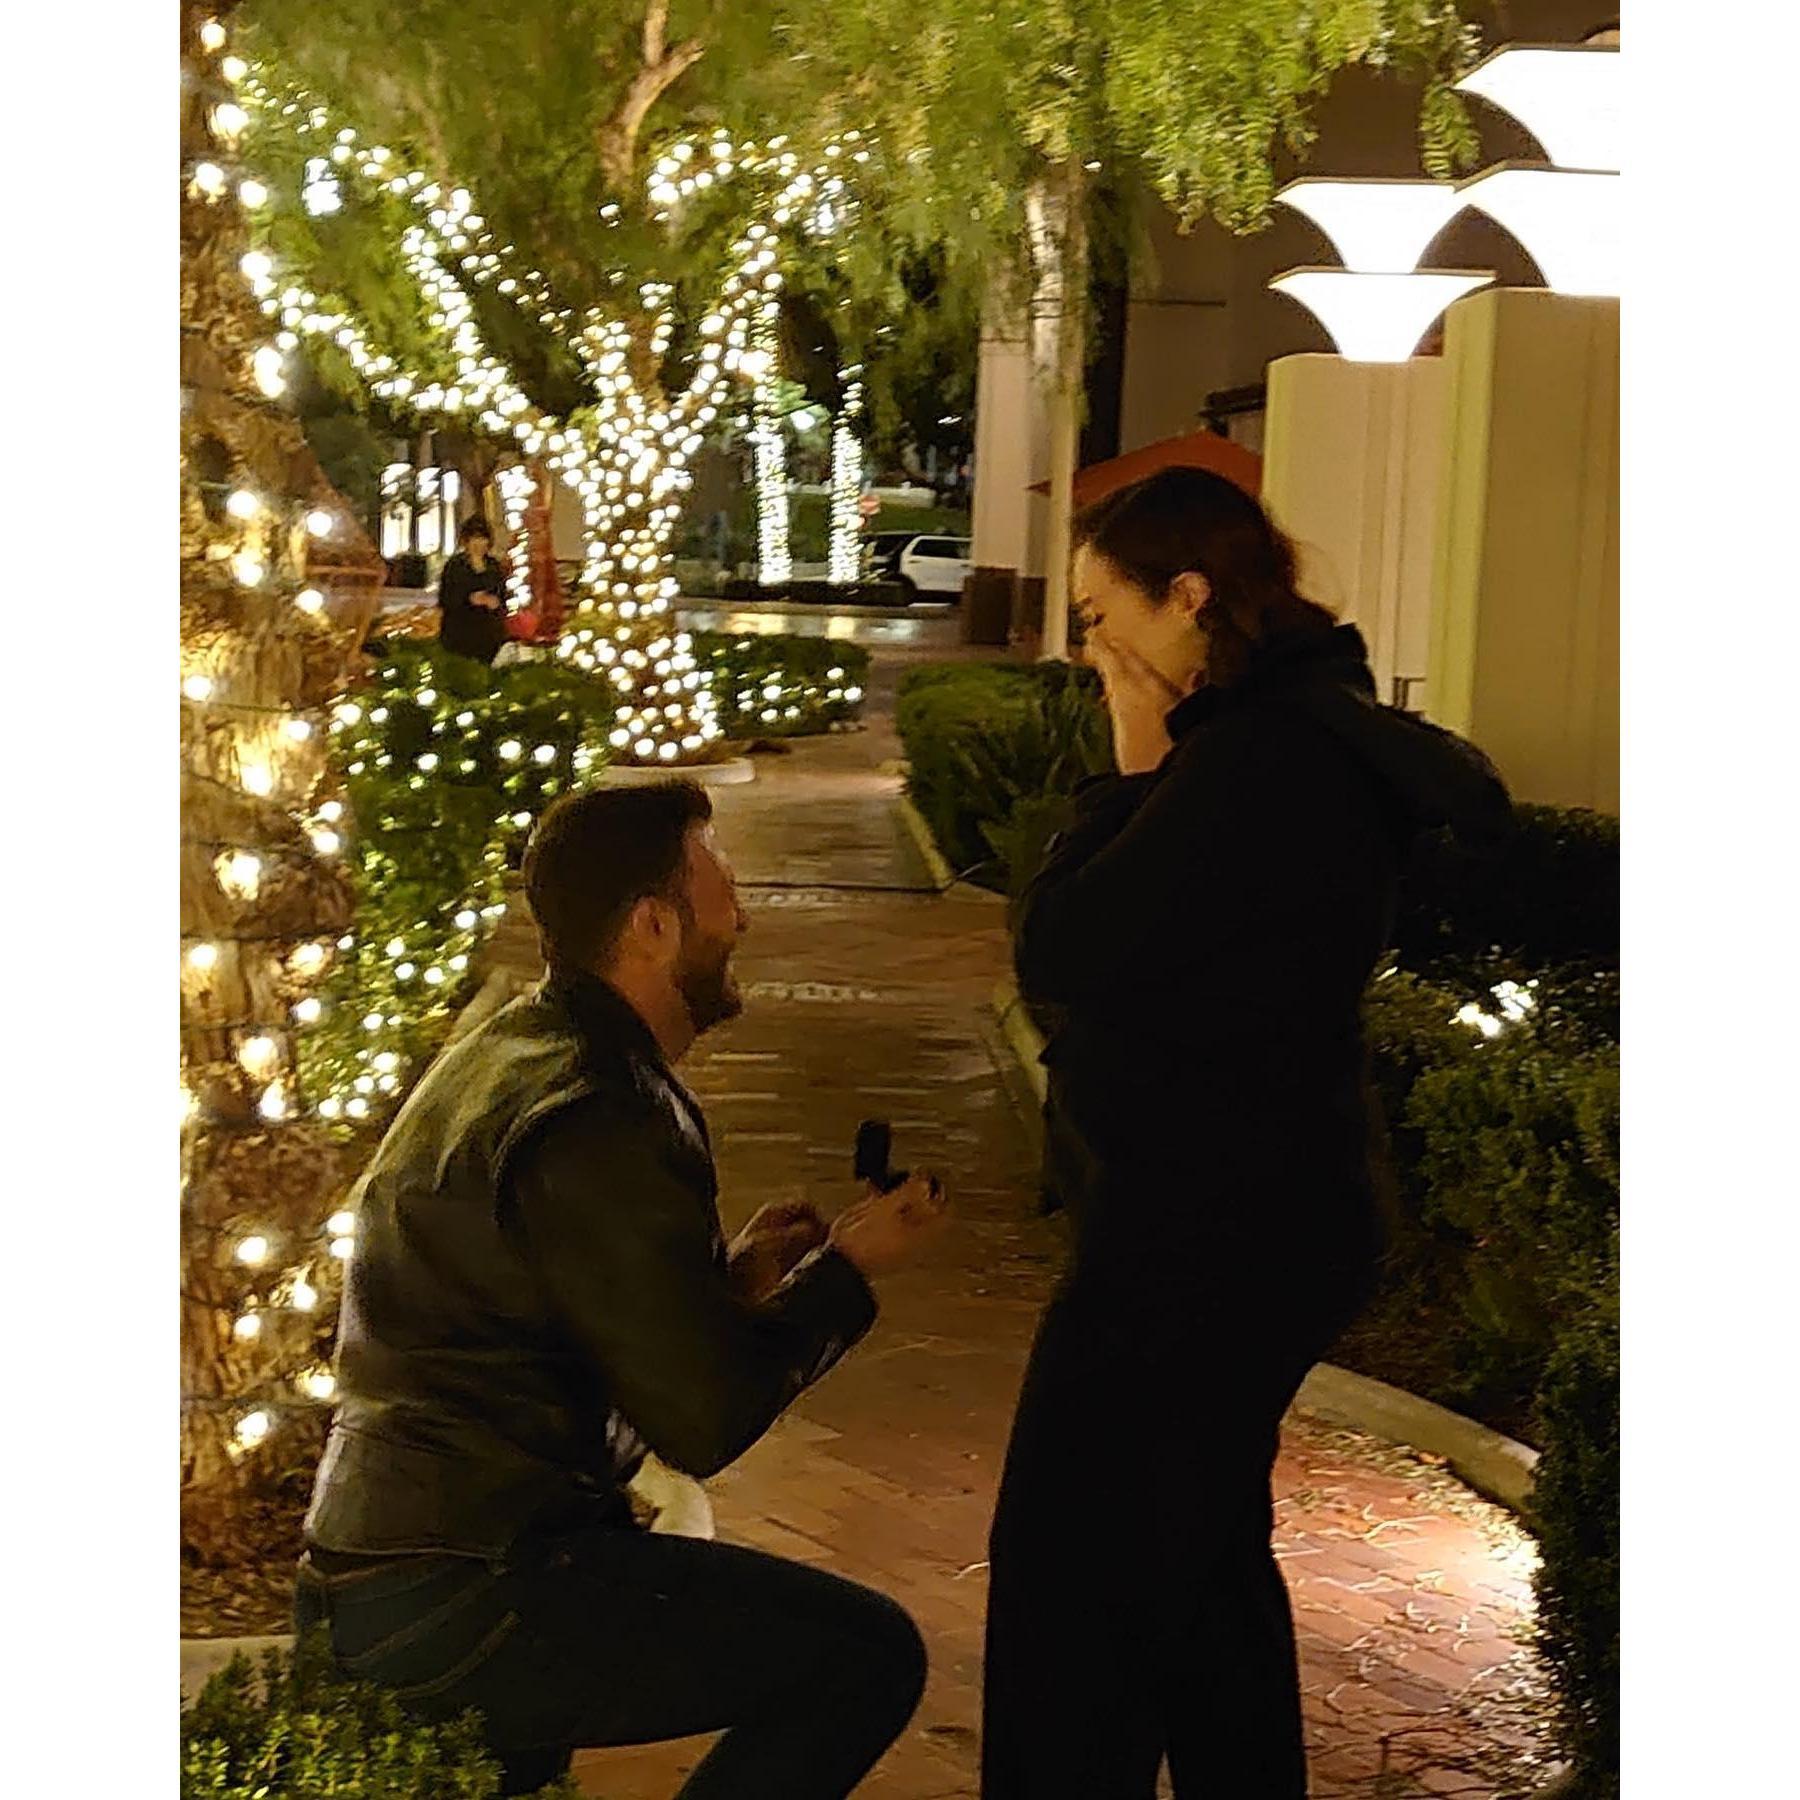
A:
(615, 1636)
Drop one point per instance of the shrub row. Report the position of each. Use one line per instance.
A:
(1501, 1292)
(783, 686)
(292, 1729)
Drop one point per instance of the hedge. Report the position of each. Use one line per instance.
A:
(783, 685)
(294, 1730)
(994, 751)
(1506, 1241)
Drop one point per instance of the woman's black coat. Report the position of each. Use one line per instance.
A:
(1201, 938)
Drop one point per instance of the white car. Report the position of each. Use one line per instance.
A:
(933, 565)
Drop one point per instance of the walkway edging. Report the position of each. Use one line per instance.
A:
(943, 877)
(1491, 1463)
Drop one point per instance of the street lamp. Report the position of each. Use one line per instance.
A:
(1373, 317)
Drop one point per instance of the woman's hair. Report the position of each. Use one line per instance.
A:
(1190, 520)
(473, 527)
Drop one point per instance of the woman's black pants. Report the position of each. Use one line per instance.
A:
(1136, 1610)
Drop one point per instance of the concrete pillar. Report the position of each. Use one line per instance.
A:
(1012, 450)
(1525, 622)
(1353, 459)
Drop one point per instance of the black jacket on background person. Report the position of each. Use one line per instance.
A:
(1202, 937)
(539, 1291)
(466, 628)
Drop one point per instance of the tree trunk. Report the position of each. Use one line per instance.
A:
(258, 669)
(1064, 287)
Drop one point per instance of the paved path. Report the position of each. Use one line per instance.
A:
(870, 999)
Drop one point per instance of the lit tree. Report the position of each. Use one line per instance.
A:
(264, 899)
(994, 121)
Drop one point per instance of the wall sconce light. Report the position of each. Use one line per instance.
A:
(1565, 218)
(1377, 317)
(1376, 227)
(1565, 95)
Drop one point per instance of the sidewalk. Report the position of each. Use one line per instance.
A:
(867, 996)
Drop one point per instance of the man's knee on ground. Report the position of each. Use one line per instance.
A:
(893, 1651)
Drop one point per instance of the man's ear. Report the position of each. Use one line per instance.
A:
(1190, 591)
(652, 925)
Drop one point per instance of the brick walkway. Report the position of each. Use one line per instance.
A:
(1412, 1595)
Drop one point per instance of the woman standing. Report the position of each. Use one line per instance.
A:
(1204, 933)
(472, 595)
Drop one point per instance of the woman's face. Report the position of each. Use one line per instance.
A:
(1165, 635)
(478, 548)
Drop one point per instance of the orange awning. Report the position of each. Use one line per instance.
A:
(1196, 450)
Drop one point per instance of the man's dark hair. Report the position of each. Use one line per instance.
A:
(595, 855)
(473, 527)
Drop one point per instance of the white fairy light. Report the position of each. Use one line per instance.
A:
(252, 1429)
(253, 1251)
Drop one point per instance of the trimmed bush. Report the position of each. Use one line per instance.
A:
(994, 751)
(1549, 895)
(295, 1731)
(818, 682)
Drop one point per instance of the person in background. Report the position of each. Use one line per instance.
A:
(472, 595)
(541, 1291)
(1204, 930)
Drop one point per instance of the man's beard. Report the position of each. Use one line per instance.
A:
(707, 985)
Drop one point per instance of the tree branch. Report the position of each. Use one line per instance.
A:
(617, 137)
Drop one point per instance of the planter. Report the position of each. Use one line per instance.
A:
(732, 773)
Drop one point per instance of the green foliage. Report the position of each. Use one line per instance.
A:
(1550, 895)
(994, 749)
(446, 763)
(296, 1731)
(1576, 1503)
(970, 107)
(1506, 1156)
(783, 686)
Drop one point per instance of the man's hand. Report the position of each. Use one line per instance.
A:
(766, 1250)
(885, 1231)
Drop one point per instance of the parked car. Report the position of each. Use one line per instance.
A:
(934, 566)
(884, 549)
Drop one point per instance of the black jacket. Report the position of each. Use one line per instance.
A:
(540, 1290)
(468, 629)
(1201, 939)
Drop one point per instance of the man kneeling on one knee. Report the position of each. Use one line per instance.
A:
(541, 1293)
